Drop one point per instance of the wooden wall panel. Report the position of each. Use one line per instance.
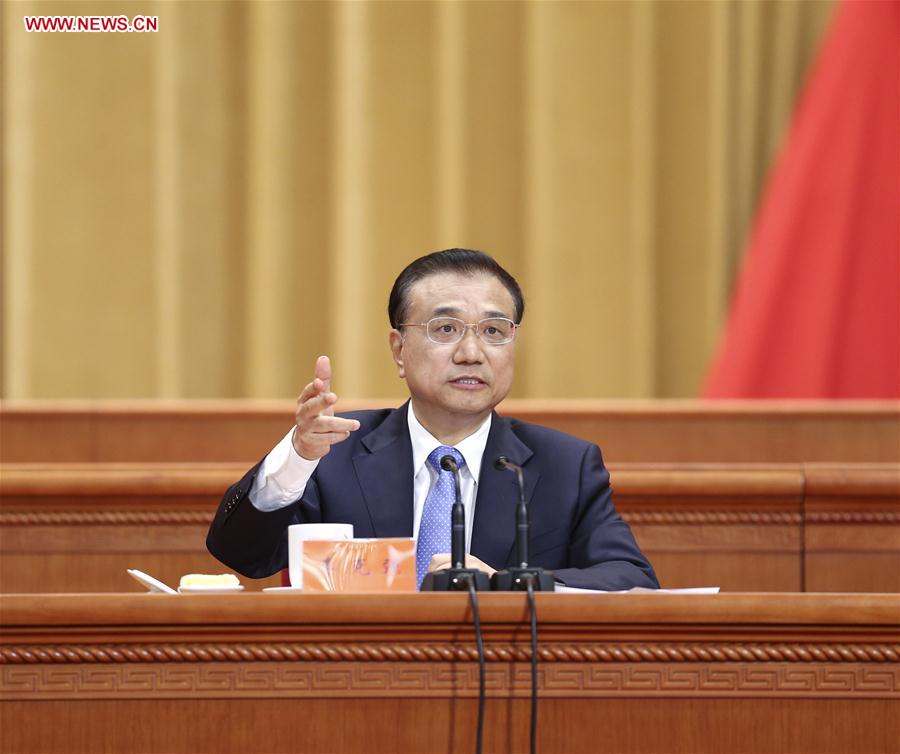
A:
(398, 726)
(627, 431)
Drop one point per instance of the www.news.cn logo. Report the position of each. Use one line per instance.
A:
(91, 23)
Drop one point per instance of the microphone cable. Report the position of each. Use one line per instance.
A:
(534, 654)
(479, 643)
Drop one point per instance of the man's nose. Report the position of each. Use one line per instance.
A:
(468, 350)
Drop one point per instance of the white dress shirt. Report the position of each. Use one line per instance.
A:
(283, 475)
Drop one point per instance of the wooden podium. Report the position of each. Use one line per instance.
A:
(268, 672)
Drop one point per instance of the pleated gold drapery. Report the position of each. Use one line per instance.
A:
(201, 211)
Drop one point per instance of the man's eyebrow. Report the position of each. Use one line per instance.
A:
(452, 311)
(441, 311)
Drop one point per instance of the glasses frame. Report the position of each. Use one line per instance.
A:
(465, 325)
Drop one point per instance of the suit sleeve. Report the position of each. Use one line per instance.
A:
(602, 550)
(253, 542)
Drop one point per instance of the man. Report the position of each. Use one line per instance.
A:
(454, 317)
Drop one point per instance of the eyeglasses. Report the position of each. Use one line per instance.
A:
(495, 331)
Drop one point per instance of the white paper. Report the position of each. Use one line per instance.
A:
(563, 589)
(152, 584)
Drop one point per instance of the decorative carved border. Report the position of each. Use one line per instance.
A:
(444, 680)
(417, 653)
(849, 517)
(105, 518)
(711, 517)
(143, 518)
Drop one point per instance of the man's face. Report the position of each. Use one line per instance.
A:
(450, 381)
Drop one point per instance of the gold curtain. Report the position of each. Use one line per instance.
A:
(199, 212)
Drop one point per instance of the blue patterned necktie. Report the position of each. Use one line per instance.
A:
(434, 528)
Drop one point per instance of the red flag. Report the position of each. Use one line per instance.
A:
(816, 312)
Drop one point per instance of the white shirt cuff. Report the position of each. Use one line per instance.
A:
(282, 477)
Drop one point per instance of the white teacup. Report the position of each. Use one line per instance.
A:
(298, 533)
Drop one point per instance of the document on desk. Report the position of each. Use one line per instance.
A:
(563, 589)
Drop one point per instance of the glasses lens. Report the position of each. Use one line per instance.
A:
(445, 329)
(496, 330)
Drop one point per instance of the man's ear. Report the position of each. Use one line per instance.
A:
(396, 341)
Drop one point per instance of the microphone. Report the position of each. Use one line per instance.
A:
(523, 520)
(518, 578)
(457, 578)
(457, 517)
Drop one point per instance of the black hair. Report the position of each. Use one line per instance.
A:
(463, 261)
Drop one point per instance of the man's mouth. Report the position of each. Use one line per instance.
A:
(467, 381)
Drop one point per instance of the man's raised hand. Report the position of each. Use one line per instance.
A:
(317, 427)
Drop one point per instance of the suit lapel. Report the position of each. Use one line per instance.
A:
(493, 535)
(385, 473)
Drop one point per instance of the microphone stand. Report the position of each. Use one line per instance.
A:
(519, 577)
(524, 578)
(456, 578)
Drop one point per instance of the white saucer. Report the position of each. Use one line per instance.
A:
(284, 589)
(210, 589)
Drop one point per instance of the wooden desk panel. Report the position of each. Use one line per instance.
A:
(369, 673)
(78, 527)
(852, 527)
(741, 527)
(736, 527)
(676, 431)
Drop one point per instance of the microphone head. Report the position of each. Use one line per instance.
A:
(500, 463)
(448, 463)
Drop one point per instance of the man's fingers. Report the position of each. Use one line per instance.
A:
(333, 424)
(316, 405)
(321, 382)
(323, 371)
(311, 390)
(312, 445)
(317, 426)
(308, 392)
(443, 560)
(329, 438)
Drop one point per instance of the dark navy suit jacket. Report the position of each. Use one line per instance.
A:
(367, 481)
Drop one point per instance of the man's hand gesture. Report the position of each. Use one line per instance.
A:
(317, 427)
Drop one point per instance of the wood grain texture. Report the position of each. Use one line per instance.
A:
(681, 431)
(367, 673)
(847, 618)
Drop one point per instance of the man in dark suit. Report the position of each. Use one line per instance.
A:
(454, 317)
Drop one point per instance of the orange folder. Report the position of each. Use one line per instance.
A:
(360, 565)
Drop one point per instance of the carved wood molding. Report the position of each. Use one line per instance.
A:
(140, 518)
(761, 517)
(711, 517)
(417, 653)
(852, 517)
(696, 518)
(400, 679)
(105, 518)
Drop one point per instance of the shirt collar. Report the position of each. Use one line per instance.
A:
(423, 442)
